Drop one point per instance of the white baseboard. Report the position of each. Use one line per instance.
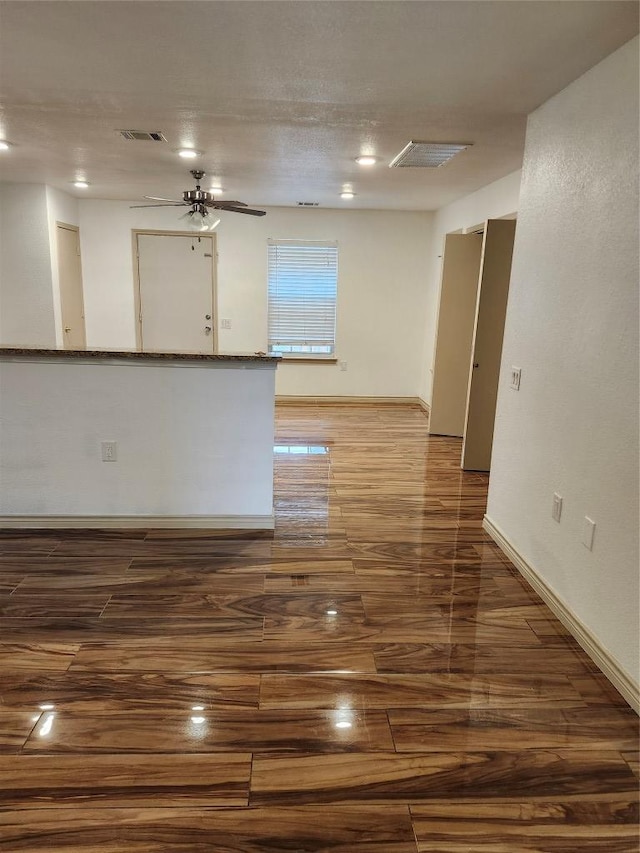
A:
(346, 400)
(98, 522)
(602, 658)
(424, 405)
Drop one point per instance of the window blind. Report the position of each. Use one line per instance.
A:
(303, 278)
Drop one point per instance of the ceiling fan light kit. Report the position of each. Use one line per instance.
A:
(200, 219)
(201, 202)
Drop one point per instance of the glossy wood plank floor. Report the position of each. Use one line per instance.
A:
(373, 676)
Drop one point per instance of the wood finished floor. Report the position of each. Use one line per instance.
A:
(372, 677)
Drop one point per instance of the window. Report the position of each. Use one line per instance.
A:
(303, 278)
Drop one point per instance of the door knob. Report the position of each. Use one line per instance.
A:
(207, 316)
(67, 328)
(207, 330)
(475, 364)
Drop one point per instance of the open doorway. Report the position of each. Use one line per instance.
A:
(475, 286)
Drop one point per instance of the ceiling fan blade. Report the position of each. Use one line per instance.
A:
(219, 203)
(171, 204)
(157, 198)
(245, 210)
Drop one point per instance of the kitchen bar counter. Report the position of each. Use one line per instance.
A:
(133, 355)
(96, 438)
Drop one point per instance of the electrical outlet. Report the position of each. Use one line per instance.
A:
(225, 324)
(515, 378)
(109, 451)
(342, 365)
(588, 532)
(556, 509)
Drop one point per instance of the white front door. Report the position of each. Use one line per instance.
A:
(175, 275)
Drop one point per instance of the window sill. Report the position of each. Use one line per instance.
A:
(293, 359)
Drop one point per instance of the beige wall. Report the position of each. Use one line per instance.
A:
(382, 292)
(572, 328)
(26, 287)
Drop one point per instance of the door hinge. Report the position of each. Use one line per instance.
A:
(208, 255)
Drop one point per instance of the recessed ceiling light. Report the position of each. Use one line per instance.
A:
(366, 160)
(332, 612)
(343, 724)
(188, 153)
(347, 194)
(81, 185)
(4, 145)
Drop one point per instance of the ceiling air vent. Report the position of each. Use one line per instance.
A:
(427, 155)
(144, 135)
(308, 203)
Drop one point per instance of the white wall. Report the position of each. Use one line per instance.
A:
(491, 202)
(26, 295)
(381, 289)
(572, 327)
(191, 439)
(61, 207)
(107, 273)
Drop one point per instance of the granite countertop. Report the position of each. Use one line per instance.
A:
(133, 355)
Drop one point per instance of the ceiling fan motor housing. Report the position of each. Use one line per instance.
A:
(196, 196)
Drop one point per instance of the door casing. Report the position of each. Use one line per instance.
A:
(137, 300)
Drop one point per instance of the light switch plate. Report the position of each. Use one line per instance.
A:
(515, 378)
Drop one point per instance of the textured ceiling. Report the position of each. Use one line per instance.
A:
(282, 96)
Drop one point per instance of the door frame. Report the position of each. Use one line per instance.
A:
(137, 300)
(76, 228)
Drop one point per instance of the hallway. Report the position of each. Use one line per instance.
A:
(371, 676)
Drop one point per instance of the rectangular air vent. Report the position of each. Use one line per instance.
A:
(144, 135)
(427, 155)
(308, 203)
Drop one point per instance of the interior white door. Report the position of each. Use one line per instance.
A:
(70, 279)
(493, 292)
(175, 275)
(454, 338)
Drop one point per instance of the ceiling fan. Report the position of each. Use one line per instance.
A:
(201, 202)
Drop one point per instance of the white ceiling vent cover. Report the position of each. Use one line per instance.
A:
(427, 155)
(144, 135)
